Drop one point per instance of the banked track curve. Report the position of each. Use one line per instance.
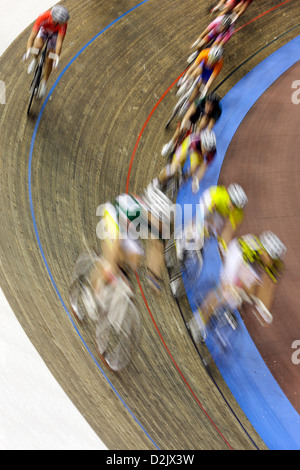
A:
(73, 143)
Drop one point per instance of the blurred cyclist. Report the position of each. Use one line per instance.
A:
(126, 221)
(202, 72)
(219, 31)
(200, 147)
(203, 113)
(238, 7)
(221, 211)
(51, 24)
(250, 271)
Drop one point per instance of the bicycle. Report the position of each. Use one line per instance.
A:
(35, 83)
(114, 313)
(222, 322)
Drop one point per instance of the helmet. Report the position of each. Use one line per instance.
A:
(213, 98)
(273, 245)
(237, 195)
(158, 203)
(60, 14)
(215, 54)
(226, 21)
(208, 140)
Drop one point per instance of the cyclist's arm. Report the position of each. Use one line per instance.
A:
(227, 232)
(240, 9)
(217, 7)
(200, 171)
(213, 76)
(207, 34)
(223, 38)
(265, 291)
(59, 43)
(187, 117)
(31, 39)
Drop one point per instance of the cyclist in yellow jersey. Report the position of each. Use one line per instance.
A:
(222, 210)
(200, 147)
(219, 213)
(126, 221)
(118, 248)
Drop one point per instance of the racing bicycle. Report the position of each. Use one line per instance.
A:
(116, 318)
(38, 72)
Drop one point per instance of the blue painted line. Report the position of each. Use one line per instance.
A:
(243, 369)
(34, 219)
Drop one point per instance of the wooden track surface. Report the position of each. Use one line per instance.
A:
(81, 158)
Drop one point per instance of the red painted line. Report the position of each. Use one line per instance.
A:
(262, 14)
(144, 127)
(127, 188)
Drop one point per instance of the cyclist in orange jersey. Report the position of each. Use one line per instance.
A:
(202, 73)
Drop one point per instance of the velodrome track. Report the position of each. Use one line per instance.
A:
(85, 148)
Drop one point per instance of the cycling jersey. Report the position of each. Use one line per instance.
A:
(192, 146)
(46, 23)
(118, 222)
(215, 31)
(236, 271)
(218, 204)
(251, 248)
(208, 69)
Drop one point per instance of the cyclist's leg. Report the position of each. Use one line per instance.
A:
(38, 44)
(131, 254)
(155, 263)
(177, 162)
(48, 66)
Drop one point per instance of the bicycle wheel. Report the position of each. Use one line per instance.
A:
(116, 342)
(81, 297)
(223, 325)
(82, 301)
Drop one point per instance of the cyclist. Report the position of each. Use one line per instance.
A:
(126, 221)
(219, 31)
(51, 24)
(203, 112)
(203, 71)
(200, 147)
(160, 220)
(221, 211)
(241, 8)
(250, 272)
(120, 247)
(238, 7)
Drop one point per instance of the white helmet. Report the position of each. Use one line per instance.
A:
(237, 195)
(60, 14)
(273, 245)
(158, 203)
(208, 140)
(215, 54)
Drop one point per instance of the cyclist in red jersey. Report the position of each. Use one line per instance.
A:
(53, 25)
